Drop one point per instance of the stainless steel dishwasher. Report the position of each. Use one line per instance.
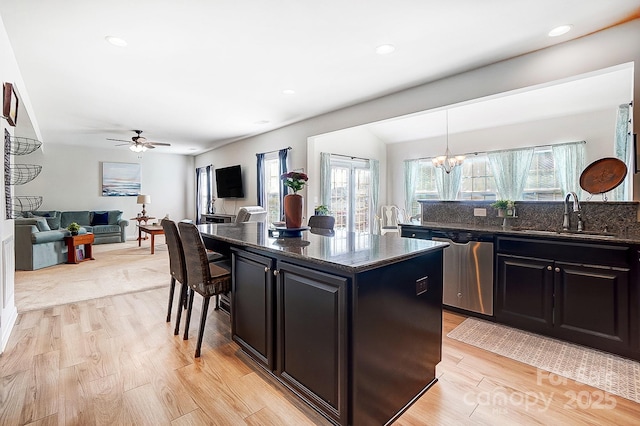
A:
(468, 270)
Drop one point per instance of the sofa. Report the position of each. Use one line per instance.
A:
(39, 235)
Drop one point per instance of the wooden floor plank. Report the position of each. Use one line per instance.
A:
(142, 407)
(119, 363)
(194, 418)
(12, 397)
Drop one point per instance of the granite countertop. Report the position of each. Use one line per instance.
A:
(348, 251)
(537, 233)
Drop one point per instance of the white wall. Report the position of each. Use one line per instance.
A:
(611, 47)
(71, 179)
(9, 72)
(244, 153)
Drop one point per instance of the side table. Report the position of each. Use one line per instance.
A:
(76, 240)
(141, 219)
(153, 230)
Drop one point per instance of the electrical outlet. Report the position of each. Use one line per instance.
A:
(479, 212)
(422, 285)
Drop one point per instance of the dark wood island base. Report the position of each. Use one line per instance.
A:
(357, 334)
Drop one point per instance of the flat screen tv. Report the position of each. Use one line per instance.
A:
(229, 182)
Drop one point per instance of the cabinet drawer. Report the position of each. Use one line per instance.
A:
(583, 253)
(412, 232)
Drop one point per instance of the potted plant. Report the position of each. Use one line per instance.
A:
(321, 210)
(73, 228)
(293, 202)
(501, 206)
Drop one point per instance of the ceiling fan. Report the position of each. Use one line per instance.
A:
(139, 143)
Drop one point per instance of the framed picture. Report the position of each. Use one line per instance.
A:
(10, 104)
(120, 179)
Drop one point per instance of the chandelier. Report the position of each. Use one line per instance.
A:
(448, 161)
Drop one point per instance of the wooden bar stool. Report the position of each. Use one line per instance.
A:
(207, 279)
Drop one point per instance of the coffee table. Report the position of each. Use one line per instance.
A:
(76, 240)
(153, 230)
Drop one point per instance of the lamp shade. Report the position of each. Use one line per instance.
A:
(144, 199)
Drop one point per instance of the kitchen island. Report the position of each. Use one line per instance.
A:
(351, 323)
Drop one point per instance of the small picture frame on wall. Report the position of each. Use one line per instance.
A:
(10, 104)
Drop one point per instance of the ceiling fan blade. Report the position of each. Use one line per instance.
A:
(159, 143)
(149, 146)
(122, 144)
(118, 140)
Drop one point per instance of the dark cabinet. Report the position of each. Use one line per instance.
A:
(592, 304)
(312, 336)
(563, 296)
(252, 319)
(524, 292)
(356, 345)
(305, 342)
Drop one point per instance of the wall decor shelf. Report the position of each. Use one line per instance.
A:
(25, 203)
(23, 146)
(19, 174)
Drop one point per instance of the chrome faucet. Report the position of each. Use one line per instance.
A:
(576, 208)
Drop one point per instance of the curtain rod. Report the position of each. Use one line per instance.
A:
(350, 156)
(275, 150)
(502, 150)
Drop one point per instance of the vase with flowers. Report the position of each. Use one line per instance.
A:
(293, 204)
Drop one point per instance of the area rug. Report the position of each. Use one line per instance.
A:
(117, 269)
(608, 372)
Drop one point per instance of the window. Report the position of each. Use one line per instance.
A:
(350, 195)
(425, 185)
(204, 194)
(272, 187)
(542, 181)
(478, 182)
(477, 179)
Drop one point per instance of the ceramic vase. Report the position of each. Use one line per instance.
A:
(293, 210)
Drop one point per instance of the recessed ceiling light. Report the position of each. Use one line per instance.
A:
(558, 31)
(261, 122)
(288, 92)
(116, 41)
(385, 49)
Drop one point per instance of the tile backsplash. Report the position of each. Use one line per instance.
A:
(620, 218)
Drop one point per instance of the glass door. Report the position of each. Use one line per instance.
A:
(351, 195)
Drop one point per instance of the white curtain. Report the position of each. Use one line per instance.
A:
(569, 159)
(410, 177)
(510, 170)
(448, 184)
(374, 169)
(325, 179)
(623, 150)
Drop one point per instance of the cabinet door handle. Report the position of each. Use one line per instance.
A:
(413, 235)
(276, 272)
(549, 268)
(266, 269)
(557, 269)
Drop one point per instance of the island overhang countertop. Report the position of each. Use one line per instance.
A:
(349, 251)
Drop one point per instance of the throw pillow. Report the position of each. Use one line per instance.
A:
(42, 225)
(100, 218)
(54, 222)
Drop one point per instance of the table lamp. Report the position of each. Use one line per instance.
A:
(144, 199)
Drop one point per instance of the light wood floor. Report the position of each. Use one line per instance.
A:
(115, 361)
